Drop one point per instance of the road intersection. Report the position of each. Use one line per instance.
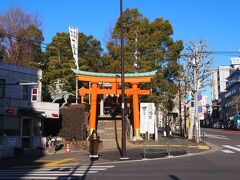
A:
(219, 162)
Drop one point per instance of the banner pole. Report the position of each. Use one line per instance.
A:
(77, 69)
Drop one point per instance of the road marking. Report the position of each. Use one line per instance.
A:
(42, 161)
(238, 145)
(232, 147)
(203, 147)
(216, 136)
(57, 163)
(51, 173)
(227, 151)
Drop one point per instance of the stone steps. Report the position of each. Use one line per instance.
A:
(109, 130)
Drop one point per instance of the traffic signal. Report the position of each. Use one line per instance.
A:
(34, 96)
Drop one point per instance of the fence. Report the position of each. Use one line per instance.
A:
(166, 147)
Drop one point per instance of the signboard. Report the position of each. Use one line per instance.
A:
(202, 102)
(200, 109)
(199, 97)
(147, 117)
(235, 61)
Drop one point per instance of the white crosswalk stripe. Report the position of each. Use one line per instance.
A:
(51, 173)
(216, 136)
(227, 151)
(235, 148)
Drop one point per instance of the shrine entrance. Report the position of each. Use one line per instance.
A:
(96, 79)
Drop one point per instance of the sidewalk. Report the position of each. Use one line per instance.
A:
(173, 146)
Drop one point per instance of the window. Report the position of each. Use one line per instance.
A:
(2, 88)
(11, 126)
(37, 129)
(25, 92)
(1, 128)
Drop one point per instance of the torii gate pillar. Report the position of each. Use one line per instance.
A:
(93, 109)
(136, 122)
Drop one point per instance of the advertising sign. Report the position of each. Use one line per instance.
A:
(235, 60)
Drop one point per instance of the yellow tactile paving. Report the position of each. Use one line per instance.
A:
(58, 162)
(202, 147)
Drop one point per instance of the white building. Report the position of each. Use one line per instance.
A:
(219, 81)
(21, 108)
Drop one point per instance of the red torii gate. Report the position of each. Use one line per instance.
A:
(114, 79)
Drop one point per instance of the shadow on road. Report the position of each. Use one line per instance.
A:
(73, 171)
(173, 177)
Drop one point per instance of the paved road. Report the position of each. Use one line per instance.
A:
(218, 164)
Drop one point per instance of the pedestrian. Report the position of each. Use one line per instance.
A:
(94, 141)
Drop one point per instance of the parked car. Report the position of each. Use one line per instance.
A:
(234, 122)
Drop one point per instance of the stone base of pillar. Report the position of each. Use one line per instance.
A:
(90, 131)
(137, 138)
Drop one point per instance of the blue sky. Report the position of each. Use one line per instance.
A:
(217, 21)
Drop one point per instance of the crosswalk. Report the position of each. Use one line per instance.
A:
(230, 149)
(216, 136)
(51, 173)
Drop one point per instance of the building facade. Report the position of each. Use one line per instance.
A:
(22, 111)
(219, 81)
(233, 94)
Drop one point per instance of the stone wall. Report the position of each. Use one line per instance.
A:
(74, 122)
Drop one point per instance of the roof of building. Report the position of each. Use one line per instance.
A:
(144, 74)
(19, 68)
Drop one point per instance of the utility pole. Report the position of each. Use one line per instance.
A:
(123, 154)
(196, 119)
(180, 100)
(180, 108)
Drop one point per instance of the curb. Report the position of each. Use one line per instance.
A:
(212, 148)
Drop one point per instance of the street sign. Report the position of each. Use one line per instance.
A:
(199, 97)
(200, 109)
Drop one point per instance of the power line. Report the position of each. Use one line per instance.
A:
(230, 53)
(44, 45)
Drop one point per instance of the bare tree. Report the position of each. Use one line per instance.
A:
(195, 78)
(20, 36)
(107, 36)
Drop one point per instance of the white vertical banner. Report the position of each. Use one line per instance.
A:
(147, 117)
(73, 32)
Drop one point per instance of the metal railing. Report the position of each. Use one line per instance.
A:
(166, 147)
